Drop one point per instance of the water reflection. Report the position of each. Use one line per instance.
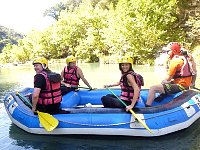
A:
(185, 139)
(6, 88)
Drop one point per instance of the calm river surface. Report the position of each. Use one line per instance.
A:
(11, 137)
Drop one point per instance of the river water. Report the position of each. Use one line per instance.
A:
(11, 137)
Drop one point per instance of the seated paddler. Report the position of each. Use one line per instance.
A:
(130, 84)
(70, 76)
(46, 95)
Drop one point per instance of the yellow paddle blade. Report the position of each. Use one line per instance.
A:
(140, 120)
(47, 121)
(134, 114)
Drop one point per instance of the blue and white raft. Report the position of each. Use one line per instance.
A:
(87, 115)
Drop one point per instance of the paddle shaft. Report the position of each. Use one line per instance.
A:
(84, 87)
(47, 120)
(81, 87)
(134, 114)
(196, 88)
(24, 99)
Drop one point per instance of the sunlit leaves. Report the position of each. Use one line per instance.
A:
(94, 29)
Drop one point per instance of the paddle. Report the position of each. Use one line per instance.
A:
(83, 87)
(47, 120)
(134, 114)
(196, 88)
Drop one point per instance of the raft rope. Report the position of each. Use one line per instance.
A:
(97, 125)
(116, 124)
(81, 124)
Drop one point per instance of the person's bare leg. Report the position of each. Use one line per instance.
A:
(152, 91)
(193, 81)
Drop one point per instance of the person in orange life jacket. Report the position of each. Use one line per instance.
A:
(191, 62)
(179, 76)
(130, 90)
(46, 95)
(192, 66)
(70, 76)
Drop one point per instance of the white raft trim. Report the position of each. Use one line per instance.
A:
(189, 110)
(136, 124)
(116, 131)
(12, 107)
(110, 131)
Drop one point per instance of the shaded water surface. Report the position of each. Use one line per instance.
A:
(11, 137)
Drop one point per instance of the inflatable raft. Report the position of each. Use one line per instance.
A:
(86, 114)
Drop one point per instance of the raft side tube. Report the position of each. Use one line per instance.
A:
(176, 102)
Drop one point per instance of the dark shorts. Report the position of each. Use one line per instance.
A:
(172, 88)
(51, 109)
(65, 90)
(110, 101)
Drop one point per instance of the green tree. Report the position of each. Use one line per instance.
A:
(55, 11)
(92, 29)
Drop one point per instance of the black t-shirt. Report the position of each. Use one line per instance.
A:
(39, 81)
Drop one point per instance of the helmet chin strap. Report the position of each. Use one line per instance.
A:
(171, 55)
(44, 66)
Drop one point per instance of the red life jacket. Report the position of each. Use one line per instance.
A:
(52, 93)
(185, 70)
(127, 91)
(70, 76)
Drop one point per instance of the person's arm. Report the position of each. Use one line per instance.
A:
(167, 79)
(111, 85)
(39, 83)
(80, 74)
(193, 64)
(62, 75)
(172, 70)
(35, 98)
(132, 82)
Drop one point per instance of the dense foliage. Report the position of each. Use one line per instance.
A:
(8, 36)
(92, 30)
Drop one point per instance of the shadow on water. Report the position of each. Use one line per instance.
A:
(183, 140)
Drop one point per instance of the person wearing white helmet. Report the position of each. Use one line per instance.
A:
(46, 95)
(179, 76)
(70, 75)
